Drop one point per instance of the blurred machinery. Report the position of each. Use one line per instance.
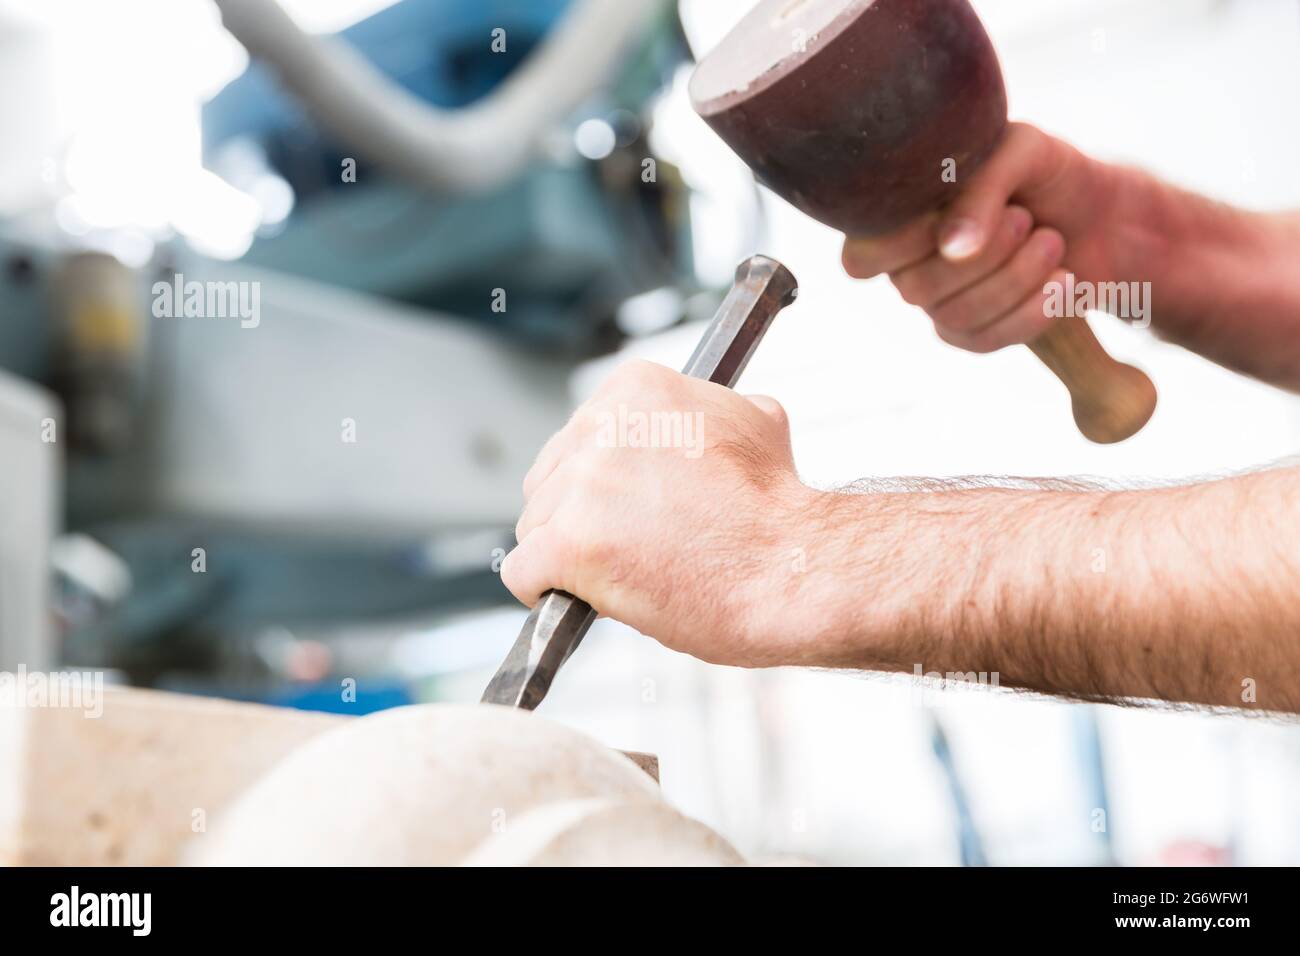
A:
(29, 486)
(574, 233)
(353, 452)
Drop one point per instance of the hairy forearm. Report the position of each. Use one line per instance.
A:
(1182, 594)
(1223, 280)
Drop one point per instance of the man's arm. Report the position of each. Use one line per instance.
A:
(1223, 280)
(717, 549)
(1181, 594)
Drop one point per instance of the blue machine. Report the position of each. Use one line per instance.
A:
(571, 238)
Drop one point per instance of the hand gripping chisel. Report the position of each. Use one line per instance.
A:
(558, 623)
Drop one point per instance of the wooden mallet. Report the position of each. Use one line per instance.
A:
(852, 109)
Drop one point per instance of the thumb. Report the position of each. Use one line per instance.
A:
(1022, 159)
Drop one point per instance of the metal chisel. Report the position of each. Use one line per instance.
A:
(558, 623)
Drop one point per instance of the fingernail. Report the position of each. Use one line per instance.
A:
(960, 239)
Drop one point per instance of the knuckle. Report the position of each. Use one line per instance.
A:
(591, 415)
(958, 317)
(597, 553)
(949, 337)
(566, 546)
(641, 381)
(865, 258)
(585, 470)
(912, 287)
(1025, 136)
(857, 261)
(603, 561)
(957, 340)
